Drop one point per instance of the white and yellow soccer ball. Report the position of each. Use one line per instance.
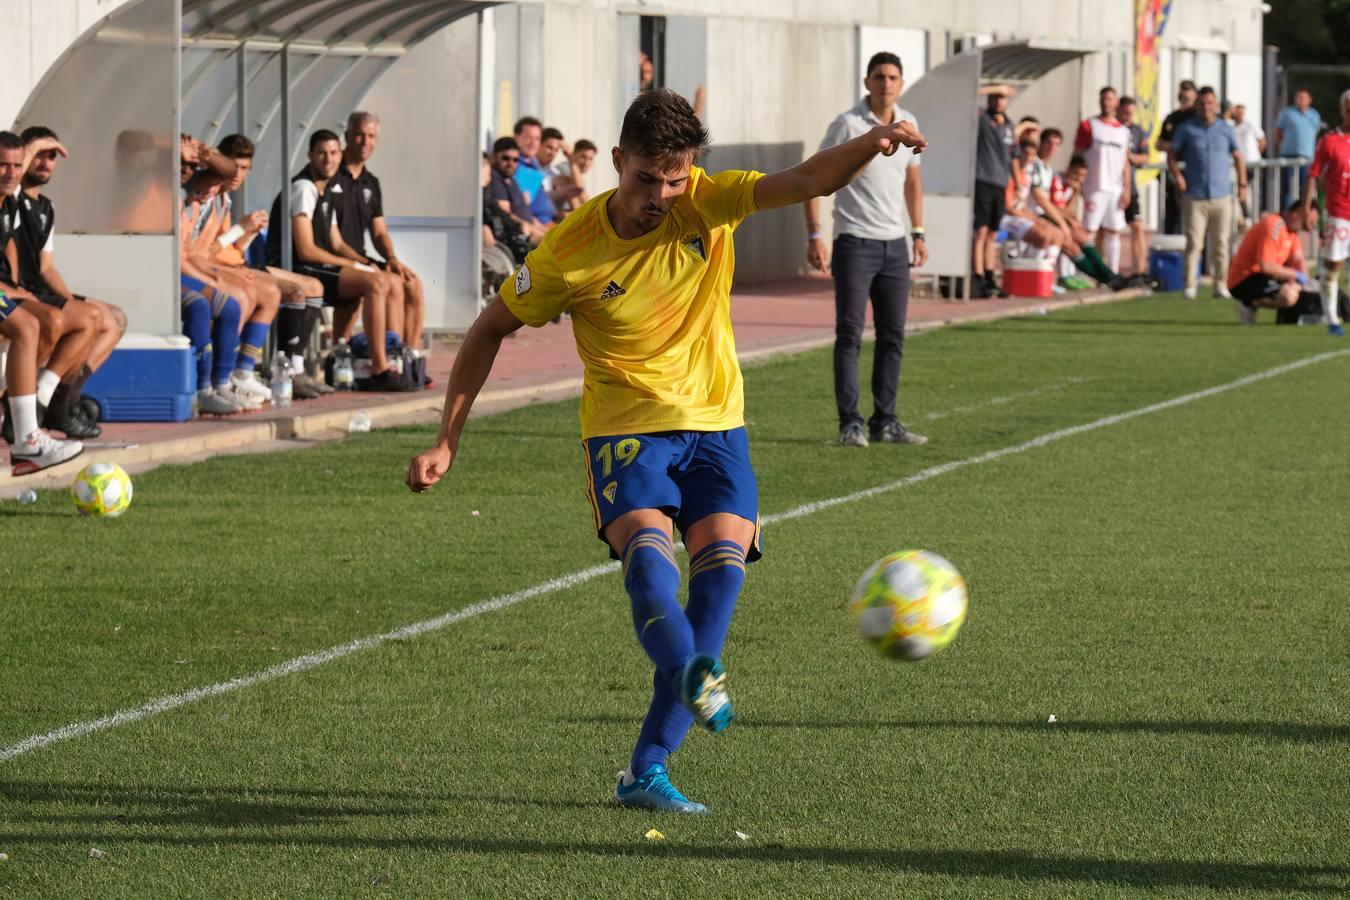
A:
(102, 489)
(910, 604)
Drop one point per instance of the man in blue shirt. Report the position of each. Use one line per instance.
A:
(529, 134)
(1296, 135)
(1206, 144)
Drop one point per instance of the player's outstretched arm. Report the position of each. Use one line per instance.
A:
(832, 168)
(473, 362)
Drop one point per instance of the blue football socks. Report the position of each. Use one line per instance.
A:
(225, 339)
(197, 327)
(251, 342)
(653, 583)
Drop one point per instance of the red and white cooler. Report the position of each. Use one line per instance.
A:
(1028, 277)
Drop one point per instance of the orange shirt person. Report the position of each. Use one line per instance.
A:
(1268, 271)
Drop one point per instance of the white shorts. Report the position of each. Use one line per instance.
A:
(1017, 227)
(1101, 209)
(1337, 246)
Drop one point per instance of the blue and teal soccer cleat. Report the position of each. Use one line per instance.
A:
(702, 687)
(653, 790)
(1336, 330)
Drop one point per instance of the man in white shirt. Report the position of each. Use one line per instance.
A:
(1105, 143)
(1251, 141)
(872, 257)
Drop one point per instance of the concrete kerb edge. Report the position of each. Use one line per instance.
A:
(330, 424)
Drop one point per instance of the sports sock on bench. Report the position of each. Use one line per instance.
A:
(252, 339)
(197, 327)
(225, 340)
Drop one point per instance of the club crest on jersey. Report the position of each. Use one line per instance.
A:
(613, 290)
(523, 280)
(610, 490)
(694, 244)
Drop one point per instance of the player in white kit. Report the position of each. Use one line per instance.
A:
(1105, 142)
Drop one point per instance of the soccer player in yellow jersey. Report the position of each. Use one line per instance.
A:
(645, 271)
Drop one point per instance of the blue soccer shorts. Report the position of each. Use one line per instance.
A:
(689, 475)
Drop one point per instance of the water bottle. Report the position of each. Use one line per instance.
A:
(282, 387)
(27, 497)
(344, 375)
(408, 357)
(359, 423)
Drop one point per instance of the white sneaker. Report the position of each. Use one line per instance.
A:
(249, 384)
(1221, 291)
(245, 399)
(1245, 314)
(41, 451)
(216, 402)
(1189, 293)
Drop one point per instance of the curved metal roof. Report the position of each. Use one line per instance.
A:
(1022, 62)
(337, 50)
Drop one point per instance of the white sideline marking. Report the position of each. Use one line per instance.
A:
(1006, 398)
(314, 660)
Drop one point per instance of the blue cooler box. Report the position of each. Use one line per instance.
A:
(147, 379)
(1168, 267)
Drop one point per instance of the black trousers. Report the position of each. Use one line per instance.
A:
(877, 270)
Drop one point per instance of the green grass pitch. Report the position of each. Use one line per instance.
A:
(1173, 588)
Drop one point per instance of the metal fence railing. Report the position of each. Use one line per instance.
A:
(1264, 185)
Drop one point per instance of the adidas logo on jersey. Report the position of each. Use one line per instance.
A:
(613, 290)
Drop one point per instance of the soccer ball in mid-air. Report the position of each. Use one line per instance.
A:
(102, 489)
(910, 604)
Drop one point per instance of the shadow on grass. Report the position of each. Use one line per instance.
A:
(1293, 732)
(230, 806)
(954, 863)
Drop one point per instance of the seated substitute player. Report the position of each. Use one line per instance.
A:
(646, 271)
(36, 250)
(31, 448)
(1050, 198)
(1268, 270)
(319, 252)
(1330, 173)
(360, 211)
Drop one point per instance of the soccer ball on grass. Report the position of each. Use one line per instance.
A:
(910, 604)
(102, 489)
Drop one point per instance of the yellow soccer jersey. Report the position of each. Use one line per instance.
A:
(651, 316)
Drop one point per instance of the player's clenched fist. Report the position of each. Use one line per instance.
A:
(427, 468)
(891, 138)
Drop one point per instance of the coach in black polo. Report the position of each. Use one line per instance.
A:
(360, 210)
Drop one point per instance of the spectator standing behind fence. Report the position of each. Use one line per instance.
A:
(1134, 217)
(1296, 135)
(1205, 143)
(1330, 174)
(579, 163)
(506, 192)
(872, 257)
(529, 135)
(1252, 142)
(994, 147)
(1185, 110)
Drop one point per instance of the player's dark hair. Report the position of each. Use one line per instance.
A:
(660, 124)
(236, 146)
(1302, 89)
(504, 143)
(10, 141)
(1103, 92)
(584, 144)
(1048, 133)
(1127, 100)
(1293, 205)
(1025, 119)
(1028, 143)
(1078, 161)
(524, 122)
(1205, 91)
(322, 136)
(549, 133)
(884, 58)
(37, 132)
(1186, 85)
